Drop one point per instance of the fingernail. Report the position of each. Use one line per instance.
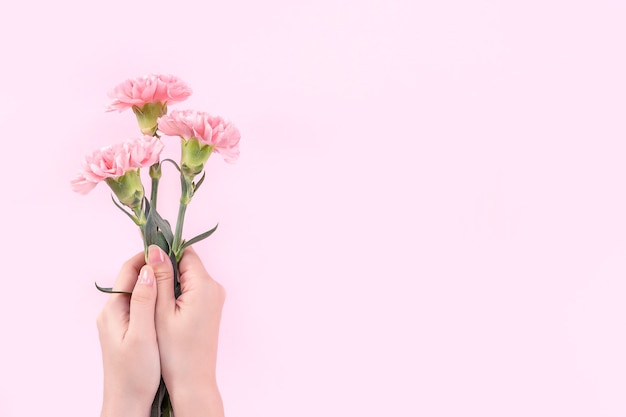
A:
(155, 255)
(145, 276)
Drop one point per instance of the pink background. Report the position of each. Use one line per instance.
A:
(428, 217)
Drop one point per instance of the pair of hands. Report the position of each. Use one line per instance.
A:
(152, 334)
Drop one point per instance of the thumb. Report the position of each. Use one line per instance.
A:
(142, 303)
(161, 265)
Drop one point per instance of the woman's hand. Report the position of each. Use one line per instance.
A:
(187, 329)
(130, 353)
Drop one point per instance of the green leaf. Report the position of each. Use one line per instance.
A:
(166, 406)
(132, 217)
(157, 403)
(164, 226)
(199, 183)
(110, 290)
(162, 243)
(172, 162)
(150, 228)
(157, 230)
(145, 206)
(198, 238)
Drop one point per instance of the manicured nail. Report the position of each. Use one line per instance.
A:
(145, 276)
(155, 255)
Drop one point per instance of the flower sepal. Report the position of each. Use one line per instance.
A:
(128, 189)
(147, 116)
(194, 154)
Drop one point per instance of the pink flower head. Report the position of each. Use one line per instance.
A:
(144, 151)
(152, 88)
(225, 138)
(222, 136)
(114, 161)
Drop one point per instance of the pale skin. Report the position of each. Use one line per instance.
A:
(151, 333)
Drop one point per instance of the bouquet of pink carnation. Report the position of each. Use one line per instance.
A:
(120, 166)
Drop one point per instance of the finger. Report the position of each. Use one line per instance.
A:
(142, 304)
(128, 274)
(125, 281)
(191, 267)
(194, 277)
(191, 262)
(164, 277)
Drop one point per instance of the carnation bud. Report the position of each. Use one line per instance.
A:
(155, 171)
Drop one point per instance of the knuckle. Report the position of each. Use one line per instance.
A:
(141, 297)
(221, 291)
(163, 272)
(217, 290)
(128, 265)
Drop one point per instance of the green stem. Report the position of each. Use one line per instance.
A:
(179, 229)
(141, 222)
(154, 191)
(140, 215)
(155, 174)
(186, 194)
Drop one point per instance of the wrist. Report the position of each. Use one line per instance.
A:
(125, 408)
(197, 401)
(117, 403)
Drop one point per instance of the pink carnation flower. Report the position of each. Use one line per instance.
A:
(152, 88)
(209, 130)
(114, 161)
(144, 151)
